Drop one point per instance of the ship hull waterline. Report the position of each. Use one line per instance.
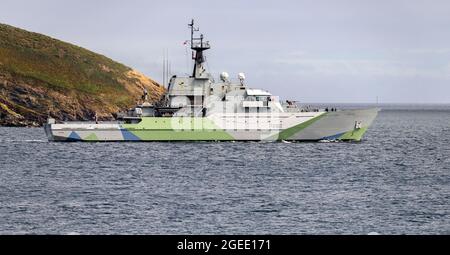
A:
(326, 126)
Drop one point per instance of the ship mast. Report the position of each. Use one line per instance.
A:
(198, 45)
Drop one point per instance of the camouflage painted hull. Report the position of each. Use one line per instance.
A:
(346, 125)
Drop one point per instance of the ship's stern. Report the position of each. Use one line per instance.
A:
(48, 129)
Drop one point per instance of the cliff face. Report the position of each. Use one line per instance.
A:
(41, 76)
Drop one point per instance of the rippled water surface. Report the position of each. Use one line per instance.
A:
(397, 181)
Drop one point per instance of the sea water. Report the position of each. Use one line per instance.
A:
(396, 181)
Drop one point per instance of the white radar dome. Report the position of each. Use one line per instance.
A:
(224, 76)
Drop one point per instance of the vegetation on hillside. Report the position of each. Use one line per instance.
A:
(41, 76)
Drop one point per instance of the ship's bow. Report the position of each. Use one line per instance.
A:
(345, 125)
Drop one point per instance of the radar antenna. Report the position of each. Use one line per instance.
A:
(198, 45)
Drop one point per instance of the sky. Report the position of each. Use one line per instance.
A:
(347, 51)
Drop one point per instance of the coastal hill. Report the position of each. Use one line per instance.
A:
(41, 76)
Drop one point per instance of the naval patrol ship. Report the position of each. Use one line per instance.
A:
(197, 108)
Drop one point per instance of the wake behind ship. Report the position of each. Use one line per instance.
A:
(197, 108)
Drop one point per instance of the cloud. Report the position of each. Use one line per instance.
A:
(362, 67)
(429, 51)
